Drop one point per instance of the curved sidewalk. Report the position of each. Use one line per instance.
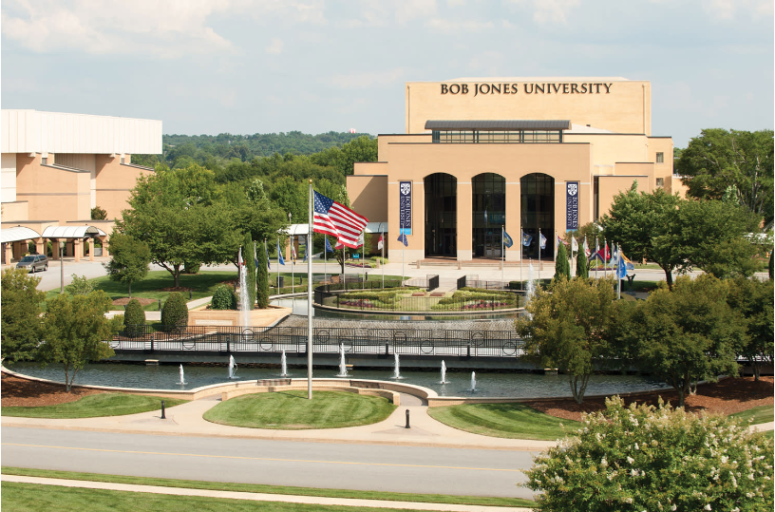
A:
(187, 420)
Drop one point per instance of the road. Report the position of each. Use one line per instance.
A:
(324, 465)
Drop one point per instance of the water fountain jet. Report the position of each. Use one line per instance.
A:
(232, 368)
(397, 367)
(443, 373)
(473, 382)
(342, 363)
(283, 365)
(182, 377)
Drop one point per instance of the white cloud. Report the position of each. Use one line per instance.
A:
(365, 80)
(728, 9)
(452, 26)
(550, 11)
(275, 47)
(164, 29)
(379, 13)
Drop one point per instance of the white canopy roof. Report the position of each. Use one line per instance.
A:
(17, 234)
(303, 229)
(72, 232)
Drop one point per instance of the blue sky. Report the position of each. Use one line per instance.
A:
(249, 66)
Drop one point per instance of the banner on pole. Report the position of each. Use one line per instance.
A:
(572, 205)
(405, 207)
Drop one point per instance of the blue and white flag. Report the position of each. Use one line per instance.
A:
(403, 240)
(542, 238)
(328, 246)
(268, 263)
(507, 241)
(280, 259)
(526, 239)
(485, 216)
(621, 269)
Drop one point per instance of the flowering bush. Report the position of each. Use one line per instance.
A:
(653, 459)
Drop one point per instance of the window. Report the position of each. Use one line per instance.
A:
(44, 160)
(660, 181)
(660, 158)
(495, 137)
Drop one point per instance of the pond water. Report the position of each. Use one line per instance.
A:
(488, 384)
(299, 307)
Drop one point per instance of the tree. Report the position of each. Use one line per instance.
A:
(134, 319)
(223, 298)
(719, 158)
(77, 332)
(174, 313)
(582, 269)
(562, 266)
(20, 312)
(687, 335)
(646, 458)
(291, 197)
(129, 260)
(641, 222)
(770, 266)
(98, 213)
(753, 301)
(714, 236)
(262, 280)
(570, 327)
(250, 264)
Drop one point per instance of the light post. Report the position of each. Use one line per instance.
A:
(61, 267)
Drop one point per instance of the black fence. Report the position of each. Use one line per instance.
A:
(433, 282)
(430, 283)
(461, 282)
(293, 340)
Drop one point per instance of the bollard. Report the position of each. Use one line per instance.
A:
(159, 304)
(190, 295)
(165, 417)
(407, 418)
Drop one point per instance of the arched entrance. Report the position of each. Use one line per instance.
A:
(537, 194)
(488, 214)
(440, 215)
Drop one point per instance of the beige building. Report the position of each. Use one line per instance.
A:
(529, 155)
(56, 167)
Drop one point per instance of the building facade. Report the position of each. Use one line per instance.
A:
(56, 167)
(538, 156)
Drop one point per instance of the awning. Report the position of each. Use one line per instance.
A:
(17, 234)
(72, 232)
(497, 126)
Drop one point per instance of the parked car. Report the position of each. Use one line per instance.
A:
(34, 262)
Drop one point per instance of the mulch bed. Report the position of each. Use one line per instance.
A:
(143, 301)
(727, 397)
(30, 393)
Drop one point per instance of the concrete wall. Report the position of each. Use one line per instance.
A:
(52, 193)
(623, 107)
(113, 182)
(8, 177)
(85, 162)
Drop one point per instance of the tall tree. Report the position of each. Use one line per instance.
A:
(687, 335)
(582, 269)
(262, 280)
(719, 158)
(562, 266)
(20, 313)
(76, 332)
(639, 222)
(250, 265)
(129, 260)
(753, 301)
(571, 327)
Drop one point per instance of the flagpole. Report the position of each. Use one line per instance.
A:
(540, 260)
(605, 257)
(293, 261)
(521, 259)
(363, 260)
(382, 262)
(309, 297)
(278, 264)
(597, 251)
(618, 278)
(503, 278)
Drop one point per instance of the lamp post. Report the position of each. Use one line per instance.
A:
(61, 267)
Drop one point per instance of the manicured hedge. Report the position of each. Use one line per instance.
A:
(224, 298)
(134, 318)
(174, 314)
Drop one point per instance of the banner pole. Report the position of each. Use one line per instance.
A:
(309, 298)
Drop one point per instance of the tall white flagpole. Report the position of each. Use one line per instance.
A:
(503, 249)
(382, 263)
(597, 252)
(309, 297)
(540, 260)
(325, 258)
(278, 264)
(618, 279)
(293, 261)
(521, 259)
(363, 260)
(605, 262)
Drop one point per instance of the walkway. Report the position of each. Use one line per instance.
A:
(250, 496)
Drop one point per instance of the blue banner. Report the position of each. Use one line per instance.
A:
(405, 207)
(571, 205)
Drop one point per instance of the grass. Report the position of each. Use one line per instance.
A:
(274, 489)
(513, 421)
(92, 406)
(292, 411)
(761, 414)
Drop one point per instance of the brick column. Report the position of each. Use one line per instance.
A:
(7, 253)
(91, 249)
(105, 251)
(40, 246)
(514, 220)
(77, 249)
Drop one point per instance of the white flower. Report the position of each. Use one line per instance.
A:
(724, 459)
(630, 460)
(634, 472)
(604, 463)
(628, 500)
(707, 507)
(674, 507)
(636, 446)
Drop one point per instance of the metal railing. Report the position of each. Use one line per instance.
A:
(293, 340)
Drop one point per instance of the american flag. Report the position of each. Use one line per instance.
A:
(337, 220)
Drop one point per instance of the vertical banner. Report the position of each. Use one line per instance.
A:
(572, 206)
(405, 207)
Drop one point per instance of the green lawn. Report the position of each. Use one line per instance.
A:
(291, 410)
(92, 406)
(761, 414)
(275, 489)
(514, 421)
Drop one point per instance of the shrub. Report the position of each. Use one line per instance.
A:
(561, 266)
(262, 281)
(134, 318)
(646, 458)
(224, 298)
(191, 268)
(80, 286)
(98, 213)
(174, 314)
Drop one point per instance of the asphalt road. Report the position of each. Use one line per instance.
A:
(336, 466)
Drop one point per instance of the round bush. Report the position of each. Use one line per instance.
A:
(174, 314)
(191, 268)
(223, 298)
(134, 319)
(646, 458)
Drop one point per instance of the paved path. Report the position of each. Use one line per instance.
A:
(308, 500)
(340, 465)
